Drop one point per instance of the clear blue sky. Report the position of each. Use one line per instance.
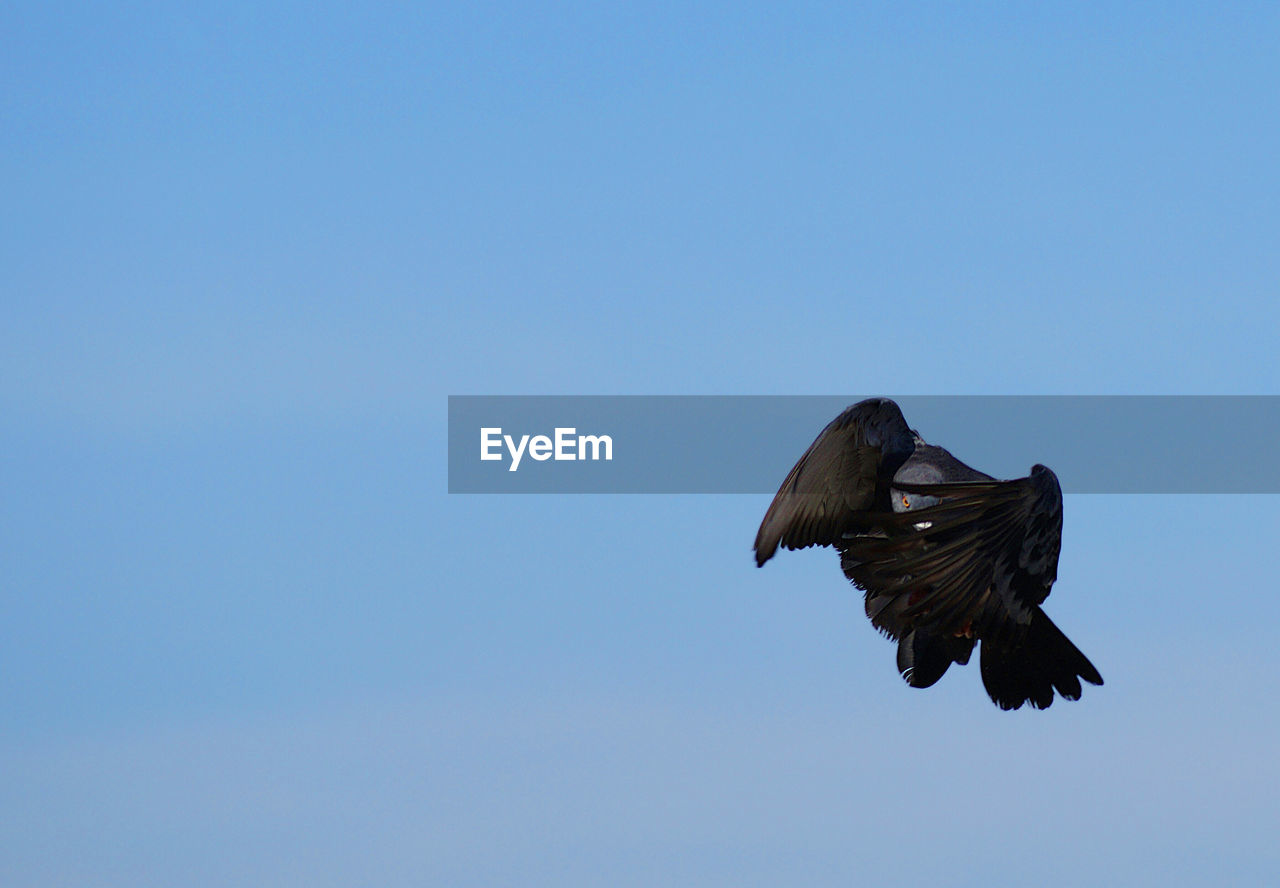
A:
(247, 638)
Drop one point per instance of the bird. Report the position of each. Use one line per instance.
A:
(948, 557)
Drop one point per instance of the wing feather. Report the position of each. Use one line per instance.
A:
(840, 475)
(980, 560)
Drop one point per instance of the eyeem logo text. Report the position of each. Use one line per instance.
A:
(565, 445)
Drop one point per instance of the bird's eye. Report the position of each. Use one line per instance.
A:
(906, 501)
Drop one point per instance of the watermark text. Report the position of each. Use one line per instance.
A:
(563, 445)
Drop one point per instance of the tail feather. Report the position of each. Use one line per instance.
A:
(1031, 669)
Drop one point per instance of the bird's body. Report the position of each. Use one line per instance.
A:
(948, 556)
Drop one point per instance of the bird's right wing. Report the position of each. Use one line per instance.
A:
(985, 555)
(836, 477)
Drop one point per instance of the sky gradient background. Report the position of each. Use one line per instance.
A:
(246, 637)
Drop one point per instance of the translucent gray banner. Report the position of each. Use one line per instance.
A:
(747, 444)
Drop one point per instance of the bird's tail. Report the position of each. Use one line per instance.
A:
(1029, 669)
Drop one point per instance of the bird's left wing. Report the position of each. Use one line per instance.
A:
(836, 478)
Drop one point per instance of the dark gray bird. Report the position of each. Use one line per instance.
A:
(947, 556)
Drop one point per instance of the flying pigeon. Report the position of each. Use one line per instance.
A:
(948, 556)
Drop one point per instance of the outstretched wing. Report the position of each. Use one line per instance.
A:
(837, 476)
(977, 563)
